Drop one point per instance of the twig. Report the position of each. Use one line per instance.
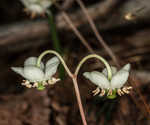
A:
(85, 43)
(98, 36)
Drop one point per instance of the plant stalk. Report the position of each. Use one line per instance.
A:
(79, 99)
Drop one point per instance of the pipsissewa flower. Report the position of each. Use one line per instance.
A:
(115, 84)
(36, 7)
(38, 76)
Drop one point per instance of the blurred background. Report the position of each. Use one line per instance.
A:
(125, 29)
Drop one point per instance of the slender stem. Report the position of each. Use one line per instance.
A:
(79, 100)
(74, 78)
(76, 31)
(97, 34)
(76, 85)
(54, 34)
(98, 57)
(60, 58)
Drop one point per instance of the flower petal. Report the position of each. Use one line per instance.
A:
(25, 2)
(52, 60)
(32, 61)
(98, 79)
(51, 70)
(18, 70)
(36, 8)
(119, 79)
(113, 69)
(45, 4)
(33, 74)
(126, 67)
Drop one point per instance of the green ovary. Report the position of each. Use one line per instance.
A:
(40, 86)
(113, 96)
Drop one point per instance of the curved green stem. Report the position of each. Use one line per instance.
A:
(73, 78)
(98, 57)
(60, 58)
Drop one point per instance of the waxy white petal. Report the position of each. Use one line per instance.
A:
(127, 67)
(113, 69)
(26, 2)
(46, 3)
(32, 61)
(51, 70)
(33, 74)
(119, 79)
(98, 79)
(18, 70)
(36, 8)
(52, 60)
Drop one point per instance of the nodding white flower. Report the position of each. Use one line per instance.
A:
(38, 76)
(119, 78)
(36, 6)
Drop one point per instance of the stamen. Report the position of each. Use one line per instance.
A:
(102, 93)
(28, 85)
(25, 82)
(109, 92)
(126, 89)
(53, 81)
(35, 84)
(96, 91)
(33, 15)
(44, 83)
(120, 92)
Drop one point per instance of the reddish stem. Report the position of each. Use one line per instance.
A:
(74, 78)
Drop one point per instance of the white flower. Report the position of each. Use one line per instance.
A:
(39, 76)
(37, 6)
(119, 78)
